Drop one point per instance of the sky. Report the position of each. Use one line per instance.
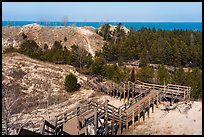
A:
(103, 11)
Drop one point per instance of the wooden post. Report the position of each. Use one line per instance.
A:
(65, 115)
(48, 128)
(140, 88)
(157, 99)
(95, 120)
(120, 92)
(109, 90)
(148, 106)
(106, 117)
(126, 120)
(128, 91)
(124, 92)
(112, 127)
(116, 91)
(153, 106)
(83, 121)
(143, 112)
(86, 130)
(120, 122)
(113, 121)
(133, 119)
(138, 114)
(56, 129)
(171, 101)
(113, 90)
(42, 128)
(184, 96)
(133, 90)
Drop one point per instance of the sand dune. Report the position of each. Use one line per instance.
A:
(172, 123)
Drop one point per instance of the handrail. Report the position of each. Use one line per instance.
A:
(146, 89)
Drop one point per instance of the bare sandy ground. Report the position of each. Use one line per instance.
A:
(173, 123)
(111, 100)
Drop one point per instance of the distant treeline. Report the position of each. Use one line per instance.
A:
(179, 48)
(58, 54)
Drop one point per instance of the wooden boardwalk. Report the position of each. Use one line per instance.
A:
(95, 118)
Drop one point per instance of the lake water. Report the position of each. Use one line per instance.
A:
(135, 25)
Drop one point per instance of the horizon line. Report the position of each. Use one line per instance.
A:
(99, 21)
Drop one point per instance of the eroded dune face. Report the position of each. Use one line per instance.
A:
(85, 37)
(33, 79)
(37, 87)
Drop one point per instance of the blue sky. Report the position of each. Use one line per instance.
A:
(103, 11)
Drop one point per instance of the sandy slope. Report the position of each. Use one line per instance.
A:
(172, 123)
(85, 37)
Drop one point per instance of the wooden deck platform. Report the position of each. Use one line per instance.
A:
(140, 98)
(72, 126)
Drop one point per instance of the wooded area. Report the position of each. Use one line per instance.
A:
(178, 48)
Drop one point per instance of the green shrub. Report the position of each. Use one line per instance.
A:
(10, 49)
(71, 83)
(24, 36)
(65, 39)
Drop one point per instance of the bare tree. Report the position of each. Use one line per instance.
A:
(14, 105)
(81, 52)
(191, 39)
(48, 91)
(9, 23)
(41, 21)
(102, 23)
(10, 98)
(65, 20)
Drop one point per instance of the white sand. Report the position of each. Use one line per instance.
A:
(113, 101)
(172, 123)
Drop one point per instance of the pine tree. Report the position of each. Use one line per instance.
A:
(71, 83)
(132, 75)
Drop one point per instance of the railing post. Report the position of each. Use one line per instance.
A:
(120, 122)
(133, 119)
(128, 91)
(184, 96)
(86, 130)
(138, 114)
(124, 92)
(113, 121)
(153, 106)
(143, 112)
(113, 90)
(157, 100)
(42, 128)
(148, 106)
(106, 117)
(140, 88)
(65, 117)
(56, 125)
(120, 90)
(126, 120)
(78, 109)
(133, 90)
(95, 120)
